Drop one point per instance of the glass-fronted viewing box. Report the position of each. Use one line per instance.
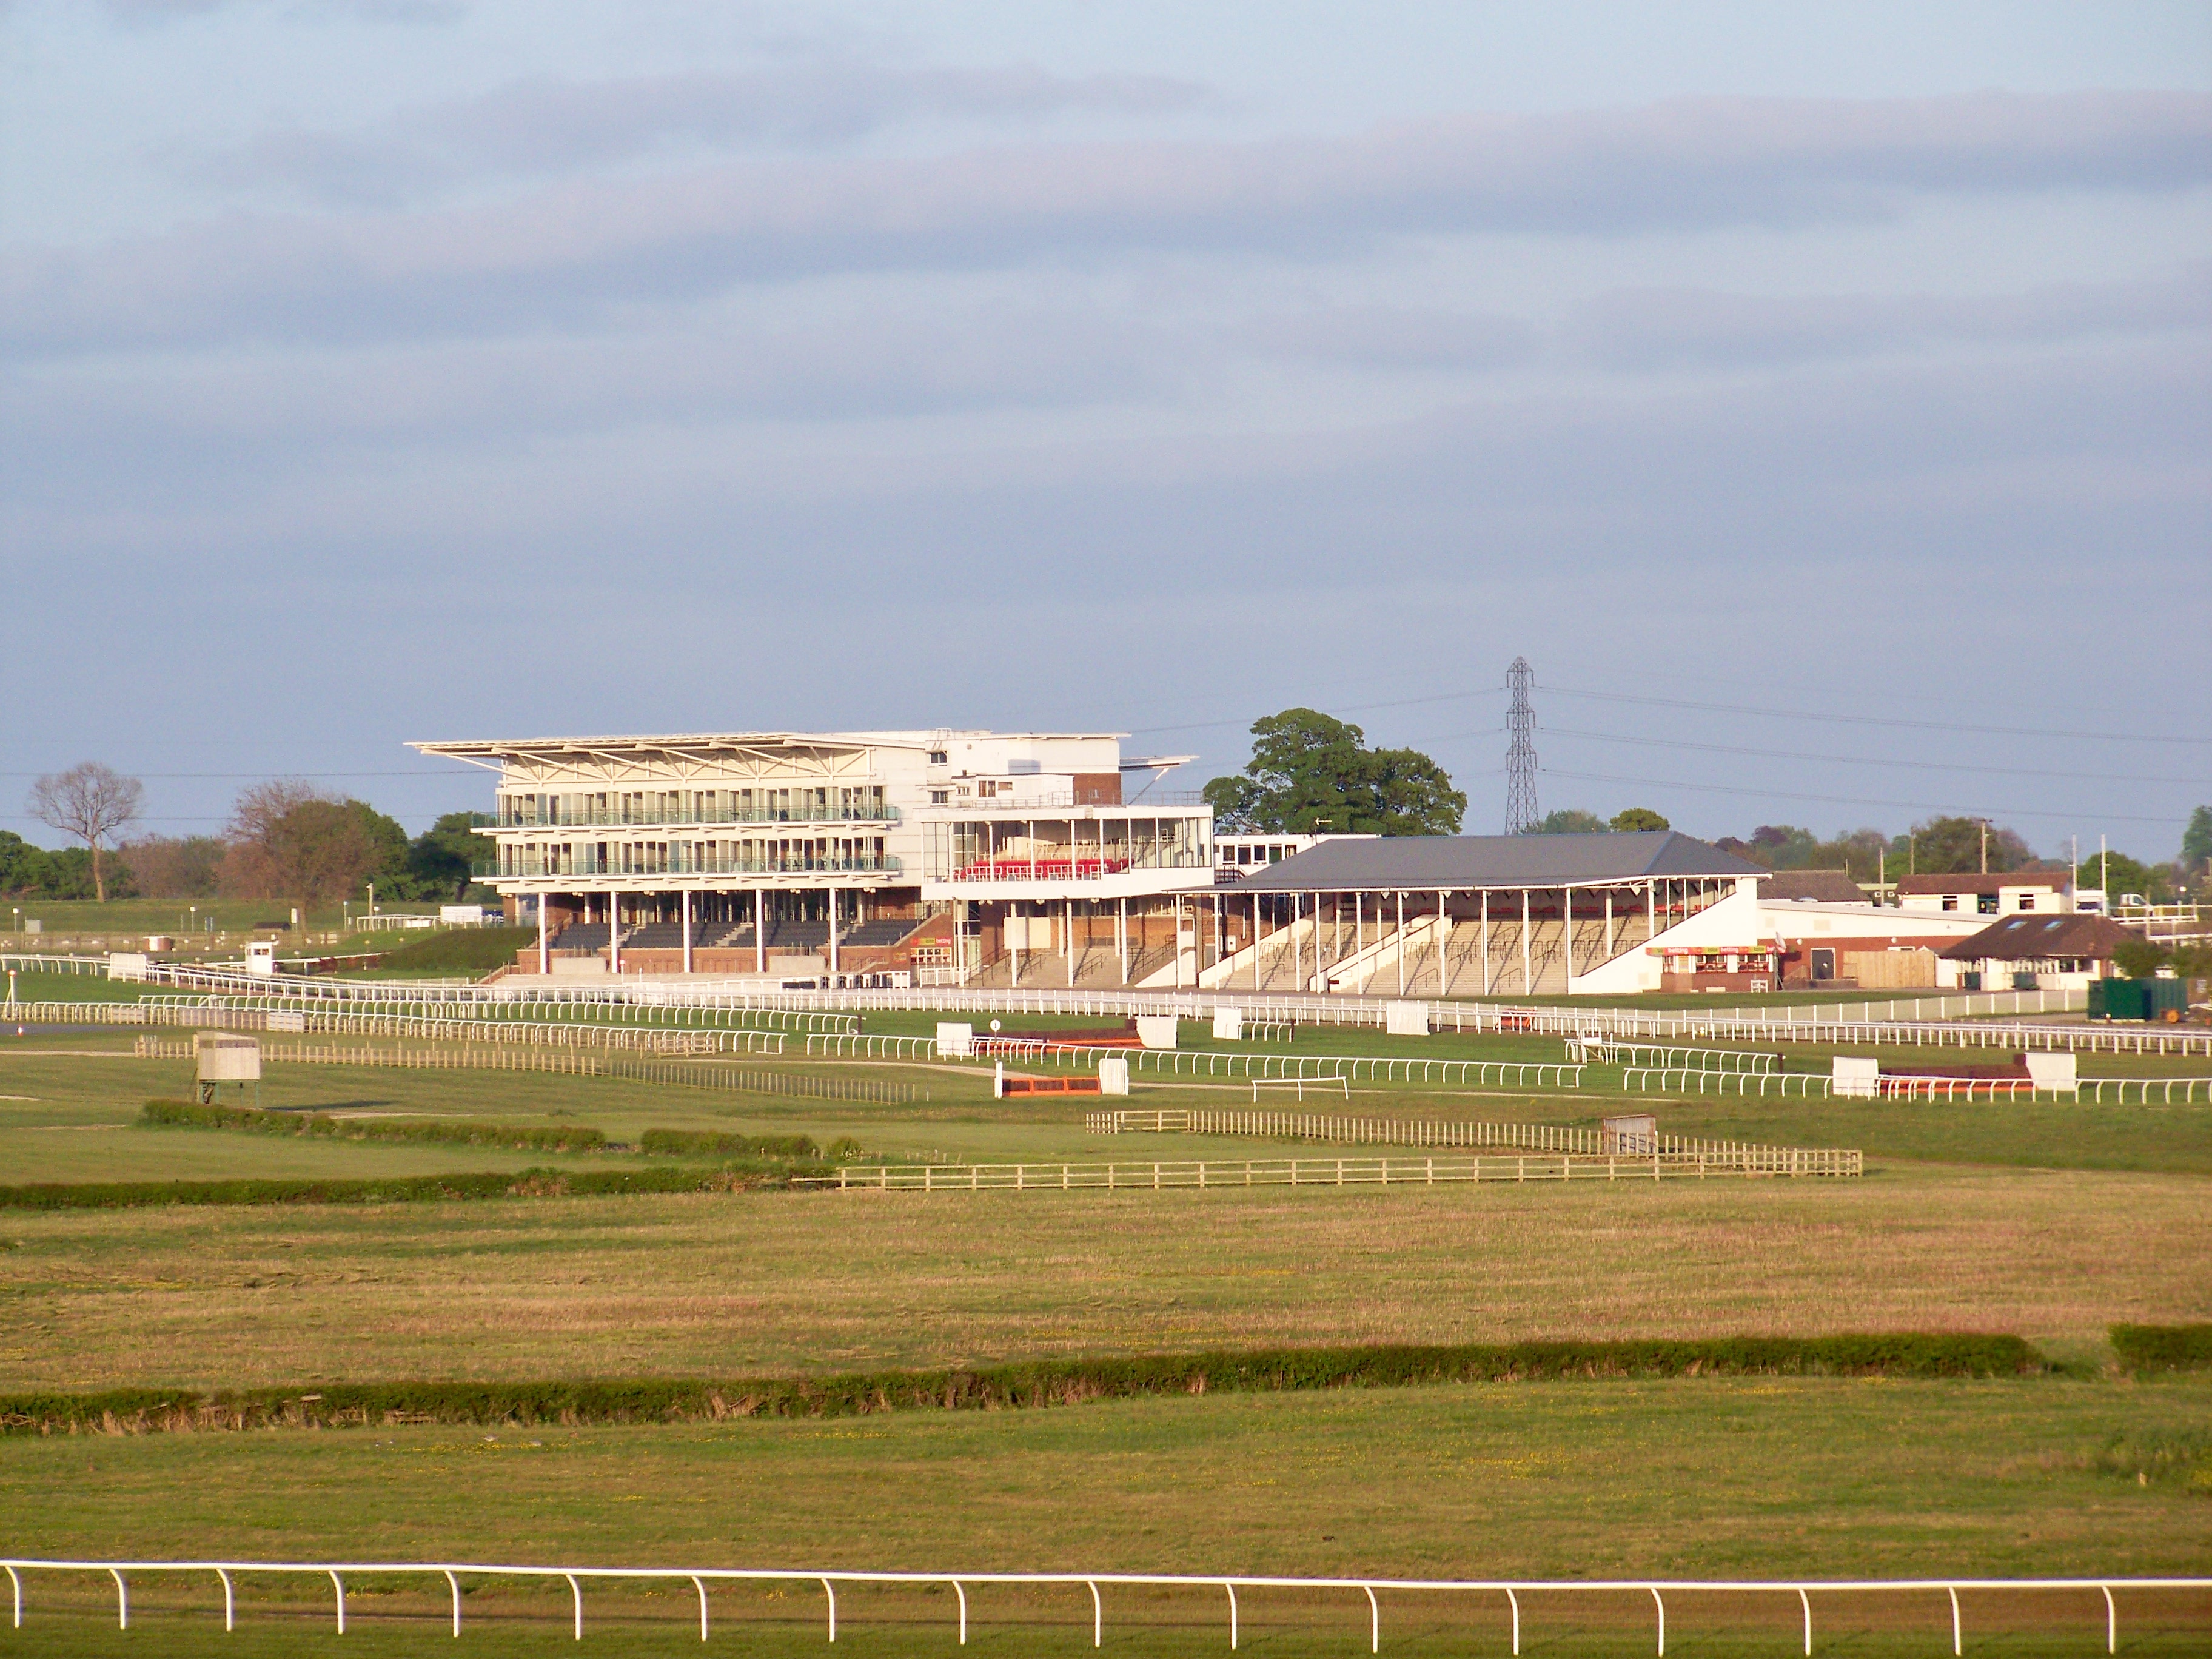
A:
(1088, 848)
(800, 804)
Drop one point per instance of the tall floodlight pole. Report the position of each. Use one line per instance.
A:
(1521, 755)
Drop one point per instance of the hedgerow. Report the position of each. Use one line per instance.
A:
(1029, 1383)
(2163, 1347)
(435, 1131)
(542, 1183)
(697, 1143)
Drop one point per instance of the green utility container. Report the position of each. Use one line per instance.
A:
(2137, 998)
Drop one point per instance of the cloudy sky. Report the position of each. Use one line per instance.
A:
(1819, 402)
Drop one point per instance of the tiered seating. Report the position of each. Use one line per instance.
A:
(877, 932)
(796, 938)
(580, 936)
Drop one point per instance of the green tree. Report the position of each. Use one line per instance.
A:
(1952, 845)
(1569, 821)
(2117, 873)
(2197, 841)
(25, 870)
(393, 872)
(1638, 818)
(1311, 773)
(442, 858)
(2138, 958)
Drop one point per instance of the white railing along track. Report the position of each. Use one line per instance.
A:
(1803, 1590)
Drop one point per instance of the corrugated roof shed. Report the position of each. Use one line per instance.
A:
(2035, 938)
(1969, 881)
(1813, 886)
(1467, 862)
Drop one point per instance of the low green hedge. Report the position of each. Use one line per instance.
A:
(460, 950)
(1035, 1383)
(692, 1143)
(434, 1131)
(399, 1189)
(2163, 1347)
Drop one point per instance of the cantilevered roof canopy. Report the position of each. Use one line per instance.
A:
(1471, 862)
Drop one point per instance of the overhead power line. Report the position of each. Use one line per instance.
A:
(1854, 760)
(1873, 720)
(1861, 800)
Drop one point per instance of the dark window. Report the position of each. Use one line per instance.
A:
(937, 757)
(1986, 904)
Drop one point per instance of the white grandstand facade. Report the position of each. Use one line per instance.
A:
(781, 853)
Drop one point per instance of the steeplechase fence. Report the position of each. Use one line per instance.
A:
(1748, 1157)
(1525, 1600)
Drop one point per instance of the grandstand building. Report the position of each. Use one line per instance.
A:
(783, 854)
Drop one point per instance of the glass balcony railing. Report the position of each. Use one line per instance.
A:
(1068, 864)
(617, 818)
(516, 863)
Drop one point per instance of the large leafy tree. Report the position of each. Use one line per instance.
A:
(2197, 841)
(289, 841)
(442, 858)
(1313, 773)
(1568, 821)
(1944, 847)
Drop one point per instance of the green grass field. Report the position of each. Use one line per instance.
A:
(1698, 1478)
(2049, 1221)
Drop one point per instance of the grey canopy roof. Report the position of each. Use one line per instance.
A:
(1413, 862)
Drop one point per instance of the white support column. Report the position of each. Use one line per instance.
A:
(1121, 936)
(1567, 931)
(687, 930)
(1609, 924)
(1528, 978)
(544, 950)
(1443, 933)
(833, 930)
(1401, 944)
(1650, 909)
(1486, 941)
(614, 933)
(1070, 942)
(1256, 944)
(760, 930)
(1298, 953)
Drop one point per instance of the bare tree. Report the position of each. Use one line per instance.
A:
(91, 802)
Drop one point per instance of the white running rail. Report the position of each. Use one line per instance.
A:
(1803, 1590)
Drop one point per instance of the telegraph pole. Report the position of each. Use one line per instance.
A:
(1521, 755)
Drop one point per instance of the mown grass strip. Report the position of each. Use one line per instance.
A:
(1033, 1383)
(444, 1131)
(2163, 1347)
(538, 1183)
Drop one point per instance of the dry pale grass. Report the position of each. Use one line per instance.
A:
(780, 1282)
